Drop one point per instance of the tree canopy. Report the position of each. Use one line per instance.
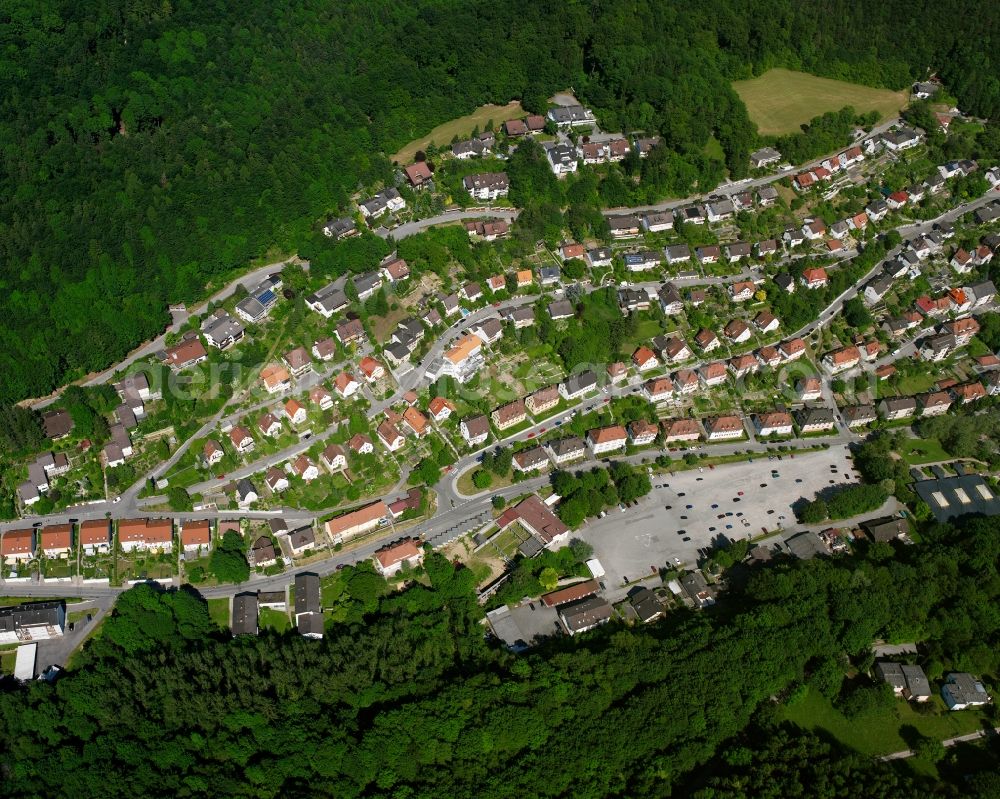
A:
(405, 697)
(151, 148)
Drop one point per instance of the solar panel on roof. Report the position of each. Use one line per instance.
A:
(266, 297)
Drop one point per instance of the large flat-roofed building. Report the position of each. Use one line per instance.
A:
(950, 497)
(34, 621)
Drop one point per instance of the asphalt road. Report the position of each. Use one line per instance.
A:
(457, 515)
(448, 217)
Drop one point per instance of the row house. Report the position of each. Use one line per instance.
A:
(509, 415)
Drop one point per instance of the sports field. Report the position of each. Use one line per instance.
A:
(780, 100)
(461, 127)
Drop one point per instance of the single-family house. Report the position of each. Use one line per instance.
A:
(724, 428)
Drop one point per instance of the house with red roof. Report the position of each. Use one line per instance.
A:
(390, 559)
(815, 278)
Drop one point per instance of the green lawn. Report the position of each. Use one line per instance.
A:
(7, 659)
(465, 486)
(923, 450)
(20, 600)
(880, 734)
(461, 127)
(59, 567)
(331, 588)
(218, 611)
(274, 619)
(713, 149)
(780, 100)
(916, 383)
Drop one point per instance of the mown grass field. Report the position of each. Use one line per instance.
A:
(881, 733)
(780, 100)
(218, 611)
(923, 450)
(461, 127)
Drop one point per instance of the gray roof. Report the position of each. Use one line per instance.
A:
(307, 593)
(330, 297)
(584, 381)
(984, 289)
(567, 446)
(244, 488)
(339, 227)
(916, 681)
(522, 314)
(964, 688)
(487, 180)
(221, 328)
(562, 154)
(570, 113)
(251, 308)
(900, 404)
(646, 605)
(368, 281)
(560, 308)
(805, 545)
(310, 624)
(585, 613)
(32, 614)
(668, 294)
(245, 612)
(853, 413)
(886, 529)
(950, 497)
(764, 154)
(27, 492)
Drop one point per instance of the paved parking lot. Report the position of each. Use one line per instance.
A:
(681, 515)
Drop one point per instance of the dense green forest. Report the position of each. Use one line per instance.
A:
(405, 697)
(150, 148)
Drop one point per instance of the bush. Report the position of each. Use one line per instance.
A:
(481, 479)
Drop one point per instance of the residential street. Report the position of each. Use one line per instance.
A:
(458, 514)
